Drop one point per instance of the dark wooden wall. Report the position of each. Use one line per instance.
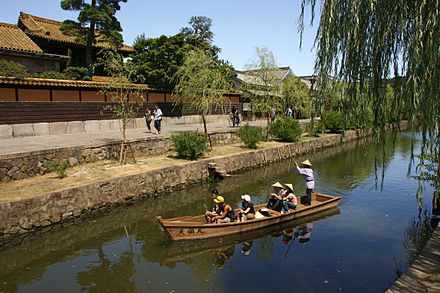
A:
(39, 103)
(35, 112)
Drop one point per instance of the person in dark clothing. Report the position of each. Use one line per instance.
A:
(148, 119)
(247, 211)
(276, 201)
(235, 116)
(209, 215)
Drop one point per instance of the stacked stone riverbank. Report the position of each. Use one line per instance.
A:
(31, 214)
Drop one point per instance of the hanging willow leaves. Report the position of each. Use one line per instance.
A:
(370, 43)
(201, 85)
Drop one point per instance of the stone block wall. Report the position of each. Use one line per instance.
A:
(24, 165)
(56, 128)
(34, 213)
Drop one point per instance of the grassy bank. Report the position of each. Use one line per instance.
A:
(105, 169)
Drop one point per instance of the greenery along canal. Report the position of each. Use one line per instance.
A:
(362, 246)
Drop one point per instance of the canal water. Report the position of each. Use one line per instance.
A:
(362, 246)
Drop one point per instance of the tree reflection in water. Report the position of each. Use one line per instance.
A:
(417, 233)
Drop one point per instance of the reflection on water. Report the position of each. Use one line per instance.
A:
(356, 248)
(417, 234)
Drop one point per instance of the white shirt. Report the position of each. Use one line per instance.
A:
(307, 174)
(158, 114)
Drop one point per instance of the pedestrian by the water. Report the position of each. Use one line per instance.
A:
(157, 118)
(272, 114)
(148, 117)
(289, 112)
(307, 174)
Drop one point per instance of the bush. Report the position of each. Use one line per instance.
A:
(77, 73)
(250, 136)
(59, 168)
(318, 128)
(189, 144)
(333, 121)
(12, 69)
(50, 75)
(286, 129)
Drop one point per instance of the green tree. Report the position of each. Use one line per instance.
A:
(158, 59)
(201, 85)
(94, 15)
(126, 97)
(199, 34)
(13, 69)
(296, 95)
(365, 43)
(262, 85)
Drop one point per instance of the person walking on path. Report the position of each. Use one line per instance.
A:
(157, 118)
(148, 118)
(307, 174)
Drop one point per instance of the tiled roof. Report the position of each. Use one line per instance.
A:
(13, 38)
(61, 83)
(31, 81)
(279, 73)
(50, 29)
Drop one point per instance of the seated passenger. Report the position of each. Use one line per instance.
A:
(275, 201)
(289, 199)
(247, 211)
(209, 215)
(225, 214)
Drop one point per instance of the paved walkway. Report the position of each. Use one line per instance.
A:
(38, 143)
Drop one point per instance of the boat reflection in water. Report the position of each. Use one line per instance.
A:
(221, 250)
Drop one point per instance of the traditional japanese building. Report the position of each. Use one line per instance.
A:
(16, 46)
(47, 35)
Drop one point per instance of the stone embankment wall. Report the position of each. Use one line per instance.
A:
(31, 214)
(24, 165)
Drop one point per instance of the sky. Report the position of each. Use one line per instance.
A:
(239, 26)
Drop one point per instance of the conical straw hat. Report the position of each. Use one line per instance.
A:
(277, 184)
(307, 162)
(290, 186)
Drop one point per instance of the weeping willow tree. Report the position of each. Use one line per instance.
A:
(201, 85)
(367, 43)
(262, 84)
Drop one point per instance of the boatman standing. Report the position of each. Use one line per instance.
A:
(307, 174)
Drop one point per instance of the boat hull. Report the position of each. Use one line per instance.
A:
(195, 228)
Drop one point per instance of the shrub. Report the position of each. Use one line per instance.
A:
(77, 73)
(318, 128)
(286, 129)
(250, 136)
(333, 121)
(50, 75)
(12, 69)
(59, 168)
(189, 145)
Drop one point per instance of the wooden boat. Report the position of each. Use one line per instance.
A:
(196, 228)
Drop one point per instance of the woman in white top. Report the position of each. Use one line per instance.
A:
(157, 118)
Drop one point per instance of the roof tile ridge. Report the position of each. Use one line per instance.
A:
(31, 19)
(42, 19)
(8, 24)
